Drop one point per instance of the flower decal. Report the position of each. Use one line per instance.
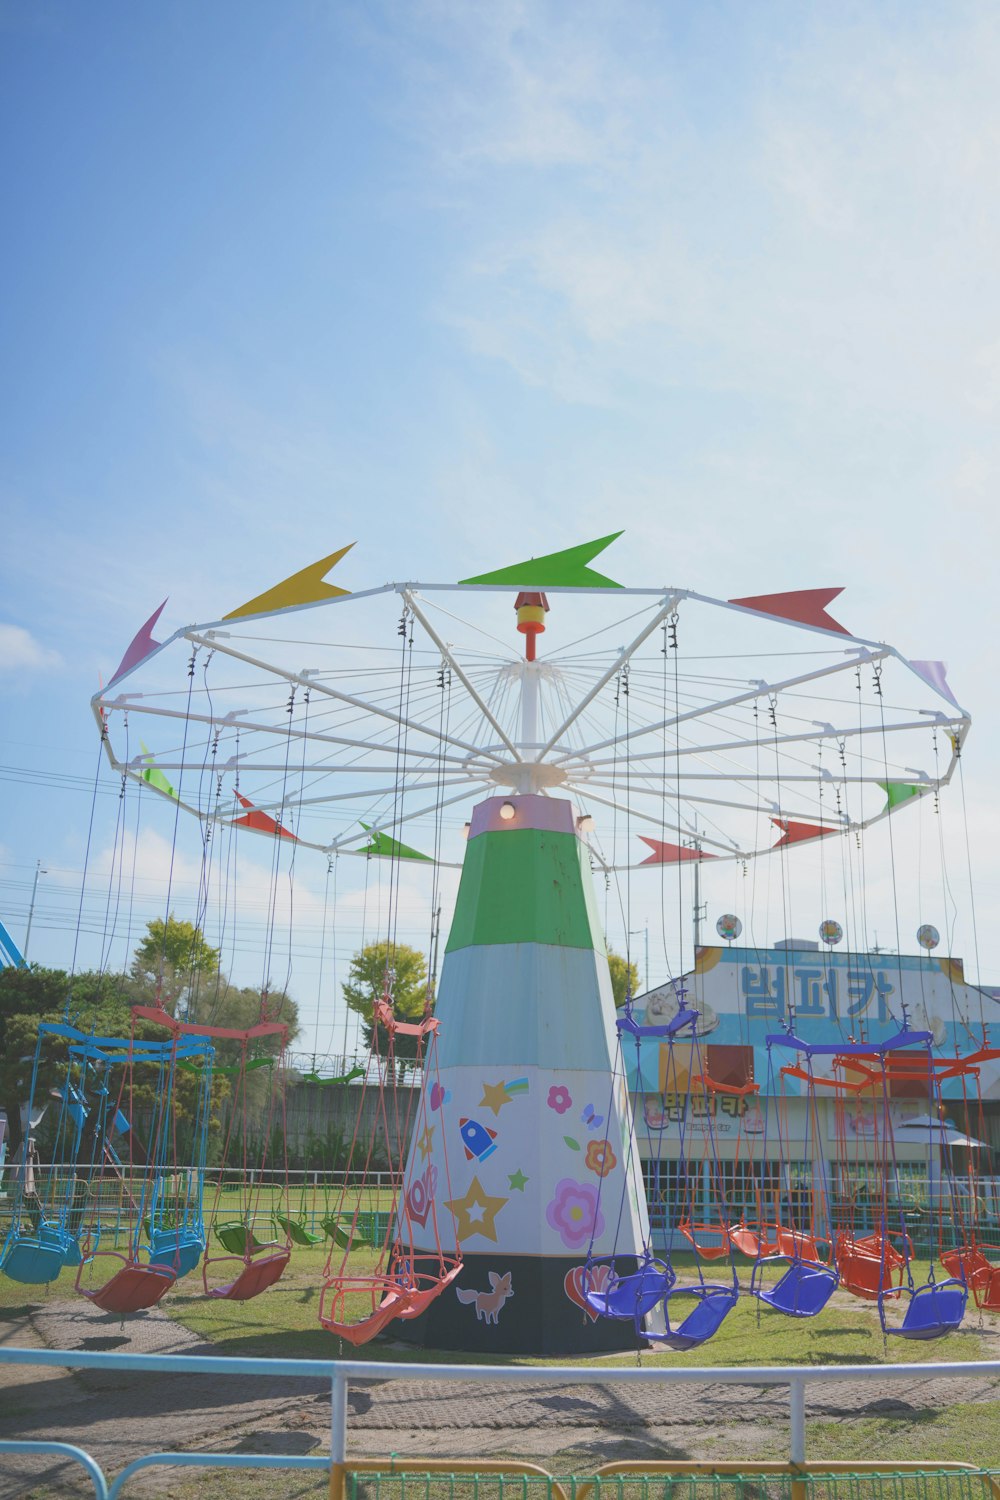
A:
(600, 1158)
(559, 1098)
(575, 1213)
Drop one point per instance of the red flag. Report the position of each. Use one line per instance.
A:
(805, 606)
(260, 822)
(797, 833)
(672, 854)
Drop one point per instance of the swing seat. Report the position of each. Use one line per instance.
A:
(181, 1250)
(802, 1292)
(868, 1268)
(72, 1254)
(631, 1296)
(796, 1245)
(934, 1309)
(427, 1289)
(256, 1277)
(755, 1242)
(712, 1305)
(31, 1260)
(239, 1239)
(387, 1298)
(982, 1276)
(132, 1288)
(334, 1229)
(709, 1241)
(296, 1232)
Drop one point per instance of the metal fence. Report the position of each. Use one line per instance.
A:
(345, 1475)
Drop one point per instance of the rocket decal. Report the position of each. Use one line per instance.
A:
(479, 1140)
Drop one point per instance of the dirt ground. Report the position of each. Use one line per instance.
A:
(118, 1416)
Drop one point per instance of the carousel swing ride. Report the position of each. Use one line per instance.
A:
(542, 1200)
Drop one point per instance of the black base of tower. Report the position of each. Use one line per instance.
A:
(537, 1318)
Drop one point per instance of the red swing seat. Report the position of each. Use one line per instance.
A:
(701, 1235)
(754, 1239)
(131, 1289)
(797, 1245)
(256, 1276)
(388, 1298)
(868, 1268)
(970, 1263)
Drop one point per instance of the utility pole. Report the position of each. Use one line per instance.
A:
(634, 932)
(699, 910)
(39, 870)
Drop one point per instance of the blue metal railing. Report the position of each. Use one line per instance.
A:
(340, 1372)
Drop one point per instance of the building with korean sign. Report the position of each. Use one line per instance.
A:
(742, 996)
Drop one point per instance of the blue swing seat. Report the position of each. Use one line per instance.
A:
(33, 1259)
(934, 1309)
(632, 1296)
(181, 1250)
(802, 1292)
(712, 1305)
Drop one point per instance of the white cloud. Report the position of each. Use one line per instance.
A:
(21, 652)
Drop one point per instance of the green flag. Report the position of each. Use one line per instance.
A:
(567, 569)
(156, 777)
(385, 846)
(898, 792)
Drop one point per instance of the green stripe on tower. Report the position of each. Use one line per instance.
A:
(526, 885)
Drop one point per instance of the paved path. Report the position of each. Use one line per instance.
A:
(117, 1416)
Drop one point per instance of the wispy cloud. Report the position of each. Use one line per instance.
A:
(21, 653)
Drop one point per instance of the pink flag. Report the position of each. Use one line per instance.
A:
(142, 645)
(805, 606)
(935, 673)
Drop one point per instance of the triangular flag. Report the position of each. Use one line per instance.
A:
(385, 846)
(556, 569)
(797, 833)
(153, 775)
(804, 606)
(900, 791)
(305, 587)
(935, 673)
(260, 822)
(142, 645)
(672, 854)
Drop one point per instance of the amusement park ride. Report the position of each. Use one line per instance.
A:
(570, 1178)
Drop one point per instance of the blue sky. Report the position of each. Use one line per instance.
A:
(465, 282)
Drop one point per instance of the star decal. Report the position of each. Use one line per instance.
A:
(476, 1212)
(517, 1180)
(425, 1142)
(495, 1096)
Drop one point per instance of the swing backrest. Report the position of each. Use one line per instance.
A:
(31, 1260)
(712, 1305)
(803, 1291)
(632, 1296)
(181, 1250)
(256, 1277)
(933, 1310)
(133, 1288)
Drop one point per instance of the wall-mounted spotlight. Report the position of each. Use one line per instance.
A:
(508, 811)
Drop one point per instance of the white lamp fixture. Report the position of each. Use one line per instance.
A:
(466, 830)
(507, 811)
(585, 823)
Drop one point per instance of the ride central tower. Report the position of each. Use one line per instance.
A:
(529, 1155)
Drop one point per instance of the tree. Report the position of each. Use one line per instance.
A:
(401, 970)
(624, 977)
(173, 961)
